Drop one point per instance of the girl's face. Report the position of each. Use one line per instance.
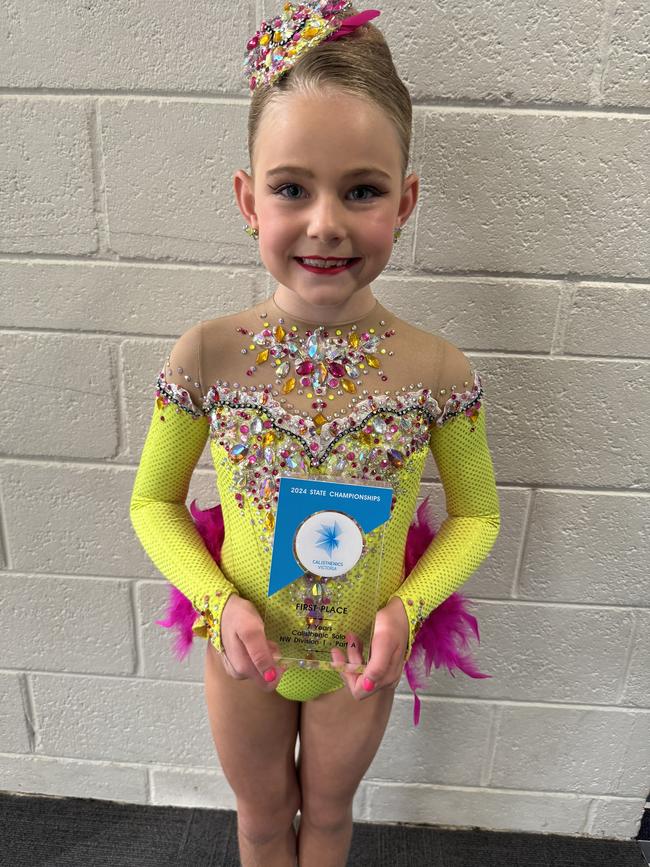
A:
(342, 195)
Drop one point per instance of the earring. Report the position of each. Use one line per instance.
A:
(397, 231)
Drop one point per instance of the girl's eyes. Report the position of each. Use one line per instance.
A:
(279, 190)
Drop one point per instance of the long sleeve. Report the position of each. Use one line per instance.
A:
(459, 446)
(177, 435)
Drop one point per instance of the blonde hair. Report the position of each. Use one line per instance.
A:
(360, 65)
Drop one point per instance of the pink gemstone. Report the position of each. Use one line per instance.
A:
(333, 383)
(350, 456)
(244, 428)
(252, 43)
(305, 381)
(337, 369)
(314, 447)
(305, 367)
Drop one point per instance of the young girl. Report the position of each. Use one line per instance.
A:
(318, 378)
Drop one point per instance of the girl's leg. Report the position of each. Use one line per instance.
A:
(339, 737)
(255, 736)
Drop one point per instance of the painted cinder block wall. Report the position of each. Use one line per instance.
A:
(121, 128)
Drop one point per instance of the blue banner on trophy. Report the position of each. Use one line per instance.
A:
(325, 567)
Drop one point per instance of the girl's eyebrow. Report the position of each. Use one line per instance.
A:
(370, 170)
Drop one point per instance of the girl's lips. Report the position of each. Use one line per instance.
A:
(321, 259)
(331, 269)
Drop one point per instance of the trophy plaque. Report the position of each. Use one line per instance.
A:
(325, 568)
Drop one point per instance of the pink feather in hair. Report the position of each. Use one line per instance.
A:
(435, 643)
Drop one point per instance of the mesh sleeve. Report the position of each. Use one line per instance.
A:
(458, 443)
(175, 440)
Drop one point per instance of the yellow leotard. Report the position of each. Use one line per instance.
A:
(254, 433)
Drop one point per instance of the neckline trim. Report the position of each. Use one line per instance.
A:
(370, 314)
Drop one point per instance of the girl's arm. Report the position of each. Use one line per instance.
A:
(177, 435)
(459, 446)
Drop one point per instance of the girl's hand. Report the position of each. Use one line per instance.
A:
(387, 650)
(247, 654)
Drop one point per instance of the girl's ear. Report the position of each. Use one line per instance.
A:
(243, 186)
(409, 197)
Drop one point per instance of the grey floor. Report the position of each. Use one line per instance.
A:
(38, 831)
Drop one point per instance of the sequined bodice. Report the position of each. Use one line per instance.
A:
(261, 434)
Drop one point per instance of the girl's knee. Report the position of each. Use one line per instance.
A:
(260, 822)
(326, 814)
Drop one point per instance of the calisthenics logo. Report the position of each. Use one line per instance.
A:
(328, 543)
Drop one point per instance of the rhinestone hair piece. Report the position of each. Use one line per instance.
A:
(278, 43)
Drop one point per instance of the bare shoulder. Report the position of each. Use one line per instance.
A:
(223, 332)
(441, 365)
(182, 365)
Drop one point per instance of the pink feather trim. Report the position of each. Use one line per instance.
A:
(446, 631)
(180, 612)
(351, 23)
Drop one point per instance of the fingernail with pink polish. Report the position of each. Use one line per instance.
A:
(368, 684)
(269, 675)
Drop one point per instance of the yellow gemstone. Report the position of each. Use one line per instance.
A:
(268, 438)
(289, 385)
(362, 366)
(264, 41)
(251, 346)
(309, 32)
(383, 351)
(349, 386)
(280, 333)
(277, 36)
(269, 521)
(338, 332)
(372, 360)
(291, 52)
(371, 330)
(319, 420)
(353, 339)
(263, 356)
(323, 371)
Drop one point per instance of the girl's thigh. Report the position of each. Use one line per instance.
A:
(255, 736)
(339, 737)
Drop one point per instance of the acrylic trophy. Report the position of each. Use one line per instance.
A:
(325, 568)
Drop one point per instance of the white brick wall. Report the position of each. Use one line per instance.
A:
(122, 125)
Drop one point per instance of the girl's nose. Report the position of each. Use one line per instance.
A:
(326, 220)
